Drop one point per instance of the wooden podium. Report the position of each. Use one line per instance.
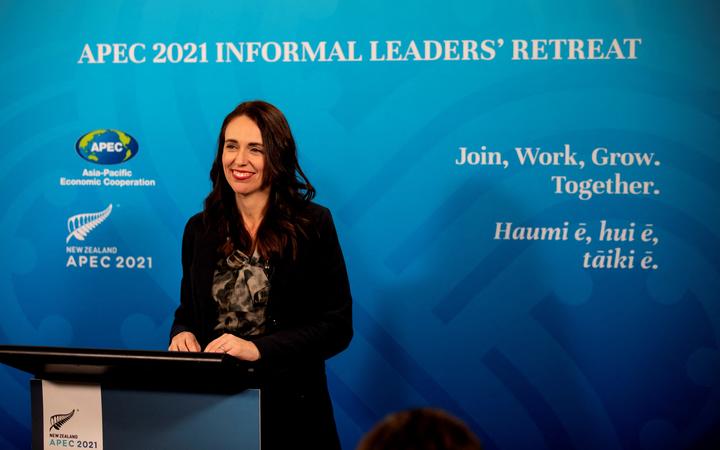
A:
(149, 399)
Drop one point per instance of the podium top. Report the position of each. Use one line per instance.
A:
(136, 368)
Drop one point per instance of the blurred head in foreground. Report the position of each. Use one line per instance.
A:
(420, 429)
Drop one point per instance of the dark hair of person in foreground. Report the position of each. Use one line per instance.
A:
(420, 429)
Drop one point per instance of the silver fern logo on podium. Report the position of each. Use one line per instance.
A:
(80, 225)
(58, 420)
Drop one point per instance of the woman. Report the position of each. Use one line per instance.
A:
(264, 277)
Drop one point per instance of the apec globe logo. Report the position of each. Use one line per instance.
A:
(106, 146)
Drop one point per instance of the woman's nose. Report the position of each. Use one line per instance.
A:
(241, 156)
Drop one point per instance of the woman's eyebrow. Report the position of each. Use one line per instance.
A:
(234, 141)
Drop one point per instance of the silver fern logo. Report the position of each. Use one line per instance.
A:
(80, 225)
(58, 420)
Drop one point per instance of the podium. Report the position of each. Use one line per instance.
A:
(139, 399)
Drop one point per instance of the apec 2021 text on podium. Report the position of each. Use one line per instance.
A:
(119, 399)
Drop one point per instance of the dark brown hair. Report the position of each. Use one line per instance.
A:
(290, 190)
(420, 429)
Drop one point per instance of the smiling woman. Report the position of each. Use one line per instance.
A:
(264, 277)
(243, 158)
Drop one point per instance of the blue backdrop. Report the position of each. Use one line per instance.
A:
(535, 343)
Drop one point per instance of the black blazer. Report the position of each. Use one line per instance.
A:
(309, 319)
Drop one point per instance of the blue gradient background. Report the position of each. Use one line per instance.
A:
(513, 337)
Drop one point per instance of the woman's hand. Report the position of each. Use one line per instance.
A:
(234, 346)
(184, 342)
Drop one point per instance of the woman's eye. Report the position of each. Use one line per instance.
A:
(256, 149)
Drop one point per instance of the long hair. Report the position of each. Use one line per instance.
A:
(290, 190)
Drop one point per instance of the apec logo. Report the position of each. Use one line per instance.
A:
(106, 147)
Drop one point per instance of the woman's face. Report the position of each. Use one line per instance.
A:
(243, 157)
